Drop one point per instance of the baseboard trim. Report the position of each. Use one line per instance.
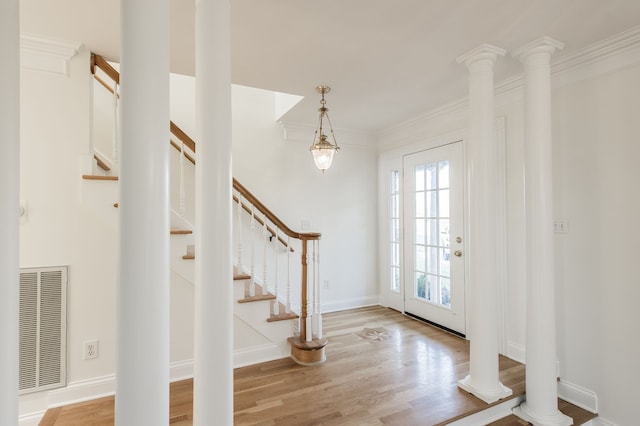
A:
(577, 395)
(598, 421)
(516, 352)
(34, 406)
(356, 302)
(257, 354)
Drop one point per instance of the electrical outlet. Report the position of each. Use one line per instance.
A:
(325, 284)
(90, 349)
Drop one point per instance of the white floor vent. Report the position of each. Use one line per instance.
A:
(43, 328)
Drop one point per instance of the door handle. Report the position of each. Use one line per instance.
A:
(458, 253)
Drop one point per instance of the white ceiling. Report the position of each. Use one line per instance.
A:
(386, 60)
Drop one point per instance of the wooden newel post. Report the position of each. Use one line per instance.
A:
(305, 349)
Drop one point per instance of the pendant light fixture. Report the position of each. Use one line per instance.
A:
(322, 149)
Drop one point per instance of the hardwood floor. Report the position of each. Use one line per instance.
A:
(382, 369)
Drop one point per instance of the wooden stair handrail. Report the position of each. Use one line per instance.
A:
(99, 62)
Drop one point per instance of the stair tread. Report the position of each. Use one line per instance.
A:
(101, 163)
(181, 231)
(239, 277)
(189, 256)
(283, 317)
(99, 177)
(257, 298)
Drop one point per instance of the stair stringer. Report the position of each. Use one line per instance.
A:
(254, 314)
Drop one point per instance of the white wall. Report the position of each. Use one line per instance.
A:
(341, 204)
(61, 228)
(595, 149)
(596, 176)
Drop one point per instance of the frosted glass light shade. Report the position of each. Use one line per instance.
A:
(323, 152)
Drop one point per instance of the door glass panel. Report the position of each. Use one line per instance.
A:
(420, 178)
(420, 285)
(432, 232)
(443, 174)
(432, 204)
(445, 291)
(420, 231)
(420, 259)
(443, 203)
(432, 181)
(419, 204)
(395, 230)
(432, 256)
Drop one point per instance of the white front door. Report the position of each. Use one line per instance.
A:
(433, 236)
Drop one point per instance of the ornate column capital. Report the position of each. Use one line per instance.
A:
(543, 44)
(483, 52)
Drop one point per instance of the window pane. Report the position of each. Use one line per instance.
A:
(433, 235)
(419, 178)
(444, 232)
(395, 182)
(443, 174)
(420, 231)
(432, 204)
(395, 206)
(395, 254)
(395, 230)
(431, 286)
(443, 203)
(445, 262)
(432, 260)
(420, 285)
(420, 258)
(395, 279)
(445, 292)
(419, 204)
(432, 181)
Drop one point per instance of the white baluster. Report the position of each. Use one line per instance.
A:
(308, 322)
(181, 206)
(276, 304)
(288, 308)
(92, 151)
(314, 291)
(318, 313)
(116, 136)
(252, 284)
(265, 288)
(240, 267)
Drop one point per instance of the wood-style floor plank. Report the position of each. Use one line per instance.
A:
(382, 369)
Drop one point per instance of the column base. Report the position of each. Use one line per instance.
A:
(487, 395)
(557, 419)
(308, 353)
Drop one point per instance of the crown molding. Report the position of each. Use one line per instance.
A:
(615, 45)
(43, 54)
(296, 132)
(607, 55)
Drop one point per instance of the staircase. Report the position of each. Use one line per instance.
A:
(267, 301)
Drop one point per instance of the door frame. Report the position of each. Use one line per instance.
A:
(393, 160)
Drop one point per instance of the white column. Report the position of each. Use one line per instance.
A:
(483, 379)
(541, 406)
(213, 363)
(142, 372)
(9, 194)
